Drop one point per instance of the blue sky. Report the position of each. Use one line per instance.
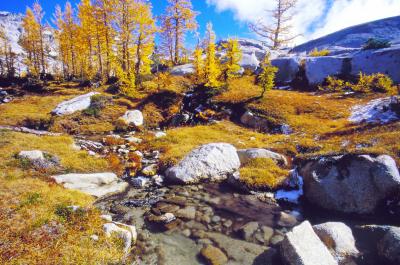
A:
(314, 18)
(224, 23)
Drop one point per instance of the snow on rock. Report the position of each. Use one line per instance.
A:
(250, 61)
(376, 111)
(182, 70)
(210, 162)
(98, 184)
(73, 105)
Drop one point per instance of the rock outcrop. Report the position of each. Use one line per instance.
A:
(377, 111)
(209, 163)
(389, 245)
(302, 246)
(73, 105)
(99, 184)
(350, 183)
(182, 70)
(39, 159)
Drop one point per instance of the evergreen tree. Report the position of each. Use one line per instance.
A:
(267, 76)
(233, 57)
(212, 68)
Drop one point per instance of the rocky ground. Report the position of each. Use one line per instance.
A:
(222, 183)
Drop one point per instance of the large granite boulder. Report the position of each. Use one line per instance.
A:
(319, 68)
(210, 162)
(339, 239)
(288, 67)
(350, 183)
(73, 105)
(302, 246)
(385, 61)
(98, 184)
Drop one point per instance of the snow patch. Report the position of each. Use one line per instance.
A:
(292, 196)
(376, 111)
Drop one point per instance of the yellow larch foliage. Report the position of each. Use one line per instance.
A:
(212, 67)
(198, 63)
(233, 57)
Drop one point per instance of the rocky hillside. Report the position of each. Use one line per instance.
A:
(354, 38)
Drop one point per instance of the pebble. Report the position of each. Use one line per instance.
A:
(228, 223)
(186, 232)
(276, 239)
(94, 237)
(214, 255)
(216, 219)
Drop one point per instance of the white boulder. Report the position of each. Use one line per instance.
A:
(98, 184)
(210, 162)
(377, 111)
(32, 155)
(339, 239)
(288, 67)
(73, 105)
(302, 246)
(133, 117)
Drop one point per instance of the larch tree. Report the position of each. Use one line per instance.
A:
(179, 19)
(198, 63)
(279, 32)
(267, 77)
(144, 32)
(39, 14)
(30, 42)
(233, 57)
(7, 56)
(212, 67)
(86, 39)
(105, 35)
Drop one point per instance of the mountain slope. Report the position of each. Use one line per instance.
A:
(354, 37)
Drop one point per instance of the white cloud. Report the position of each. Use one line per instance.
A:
(314, 18)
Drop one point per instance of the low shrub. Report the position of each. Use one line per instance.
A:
(375, 83)
(374, 44)
(98, 102)
(319, 53)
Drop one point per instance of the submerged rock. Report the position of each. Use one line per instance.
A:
(350, 183)
(214, 255)
(73, 105)
(210, 162)
(302, 246)
(339, 239)
(98, 184)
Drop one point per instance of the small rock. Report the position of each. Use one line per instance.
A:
(160, 134)
(227, 223)
(213, 255)
(106, 217)
(215, 219)
(186, 232)
(268, 233)
(162, 219)
(94, 237)
(287, 220)
(276, 239)
(127, 233)
(248, 230)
